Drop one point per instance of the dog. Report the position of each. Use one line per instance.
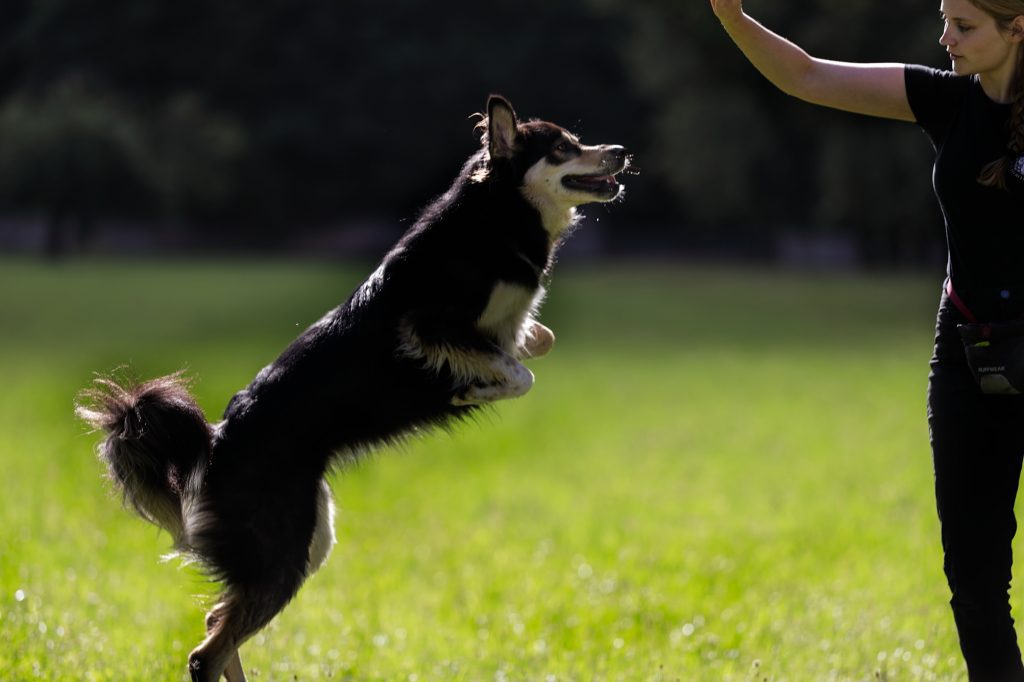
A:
(437, 331)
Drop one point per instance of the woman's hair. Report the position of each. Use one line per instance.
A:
(994, 173)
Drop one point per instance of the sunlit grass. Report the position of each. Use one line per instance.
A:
(721, 474)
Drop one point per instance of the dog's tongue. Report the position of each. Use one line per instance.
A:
(595, 184)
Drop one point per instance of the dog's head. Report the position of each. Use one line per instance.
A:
(554, 171)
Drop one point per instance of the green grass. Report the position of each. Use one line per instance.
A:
(720, 474)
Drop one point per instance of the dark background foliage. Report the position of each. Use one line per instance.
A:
(272, 124)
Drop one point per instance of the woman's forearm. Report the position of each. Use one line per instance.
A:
(876, 89)
(785, 64)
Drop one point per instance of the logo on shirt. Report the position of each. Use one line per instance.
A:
(1018, 167)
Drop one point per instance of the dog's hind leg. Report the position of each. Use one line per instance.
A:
(233, 672)
(229, 624)
(218, 654)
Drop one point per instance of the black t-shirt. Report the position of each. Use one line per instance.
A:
(984, 225)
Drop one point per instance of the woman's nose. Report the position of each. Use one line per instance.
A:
(946, 39)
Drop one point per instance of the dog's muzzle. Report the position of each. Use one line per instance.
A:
(603, 185)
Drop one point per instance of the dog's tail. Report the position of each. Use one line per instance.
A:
(157, 444)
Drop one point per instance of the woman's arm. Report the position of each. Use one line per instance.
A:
(871, 89)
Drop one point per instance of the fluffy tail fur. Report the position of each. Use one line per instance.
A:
(157, 444)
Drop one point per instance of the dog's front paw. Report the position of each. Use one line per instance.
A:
(538, 341)
(517, 381)
(465, 399)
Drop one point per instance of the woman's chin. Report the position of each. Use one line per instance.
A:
(961, 68)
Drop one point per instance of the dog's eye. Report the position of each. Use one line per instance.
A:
(565, 147)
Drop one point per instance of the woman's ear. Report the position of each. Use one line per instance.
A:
(1017, 29)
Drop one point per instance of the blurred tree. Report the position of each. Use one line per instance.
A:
(76, 153)
(286, 114)
(73, 154)
(191, 157)
(874, 184)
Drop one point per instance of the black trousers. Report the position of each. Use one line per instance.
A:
(977, 447)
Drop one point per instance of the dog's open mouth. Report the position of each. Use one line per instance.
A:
(600, 185)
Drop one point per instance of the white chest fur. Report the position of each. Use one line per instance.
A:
(323, 533)
(507, 311)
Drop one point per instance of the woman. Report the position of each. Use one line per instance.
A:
(974, 116)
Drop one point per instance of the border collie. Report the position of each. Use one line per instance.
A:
(439, 329)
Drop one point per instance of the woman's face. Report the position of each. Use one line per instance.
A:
(974, 41)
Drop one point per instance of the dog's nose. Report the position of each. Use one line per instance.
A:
(615, 155)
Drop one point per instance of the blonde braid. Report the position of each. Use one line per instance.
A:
(994, 174)
(1016, 121)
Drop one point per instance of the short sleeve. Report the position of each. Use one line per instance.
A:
(935, 97)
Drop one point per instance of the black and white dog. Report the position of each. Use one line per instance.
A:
(440, 328)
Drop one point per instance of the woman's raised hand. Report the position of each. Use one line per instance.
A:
(727, 10)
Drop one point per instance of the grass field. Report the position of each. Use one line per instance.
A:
(720, 474)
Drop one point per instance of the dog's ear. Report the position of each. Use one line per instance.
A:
(502, 127)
